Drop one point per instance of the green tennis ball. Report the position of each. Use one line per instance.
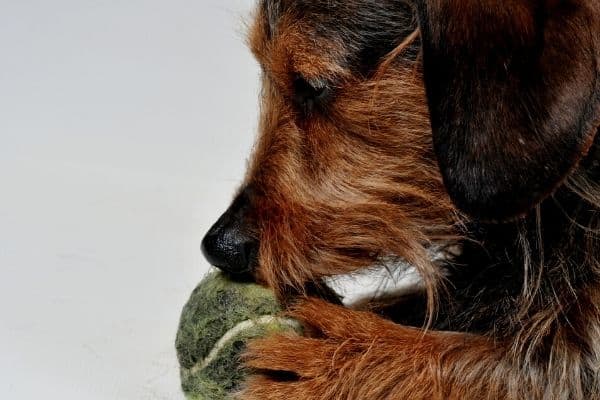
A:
(218, 320)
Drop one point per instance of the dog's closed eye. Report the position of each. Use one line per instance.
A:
(309, 95)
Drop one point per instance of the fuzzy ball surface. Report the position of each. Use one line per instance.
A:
(218, 320)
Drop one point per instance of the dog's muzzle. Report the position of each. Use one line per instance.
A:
(229, 244)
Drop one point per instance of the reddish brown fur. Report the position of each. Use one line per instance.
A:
(342, 190)
(357, 355)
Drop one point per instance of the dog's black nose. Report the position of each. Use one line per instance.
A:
(229, 245)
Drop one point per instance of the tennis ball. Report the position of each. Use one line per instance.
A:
(218, 320)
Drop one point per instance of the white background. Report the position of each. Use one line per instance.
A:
(124, 129)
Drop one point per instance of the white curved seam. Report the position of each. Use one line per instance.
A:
(230, 334)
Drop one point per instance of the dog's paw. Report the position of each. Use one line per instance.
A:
(337, 359)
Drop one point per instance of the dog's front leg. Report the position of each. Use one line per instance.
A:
(357, 355)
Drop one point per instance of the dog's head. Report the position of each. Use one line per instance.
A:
(344, 174)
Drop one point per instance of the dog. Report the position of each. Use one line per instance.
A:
(397, 130)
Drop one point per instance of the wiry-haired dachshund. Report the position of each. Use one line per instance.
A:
(458, 136)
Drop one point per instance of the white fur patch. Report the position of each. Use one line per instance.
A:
(375, 282)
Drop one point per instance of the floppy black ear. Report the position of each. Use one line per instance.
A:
(514, 95)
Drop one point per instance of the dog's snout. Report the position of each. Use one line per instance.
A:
(229, 245)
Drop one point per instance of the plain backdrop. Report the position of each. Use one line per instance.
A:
(124, 130)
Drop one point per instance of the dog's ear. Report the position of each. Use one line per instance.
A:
(514, 93)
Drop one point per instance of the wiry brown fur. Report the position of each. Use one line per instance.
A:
(354, 183)
(552, 351)
(340, 191)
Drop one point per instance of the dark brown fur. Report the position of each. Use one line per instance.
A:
(351, 179)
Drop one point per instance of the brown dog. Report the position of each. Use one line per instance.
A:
(371, 130)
